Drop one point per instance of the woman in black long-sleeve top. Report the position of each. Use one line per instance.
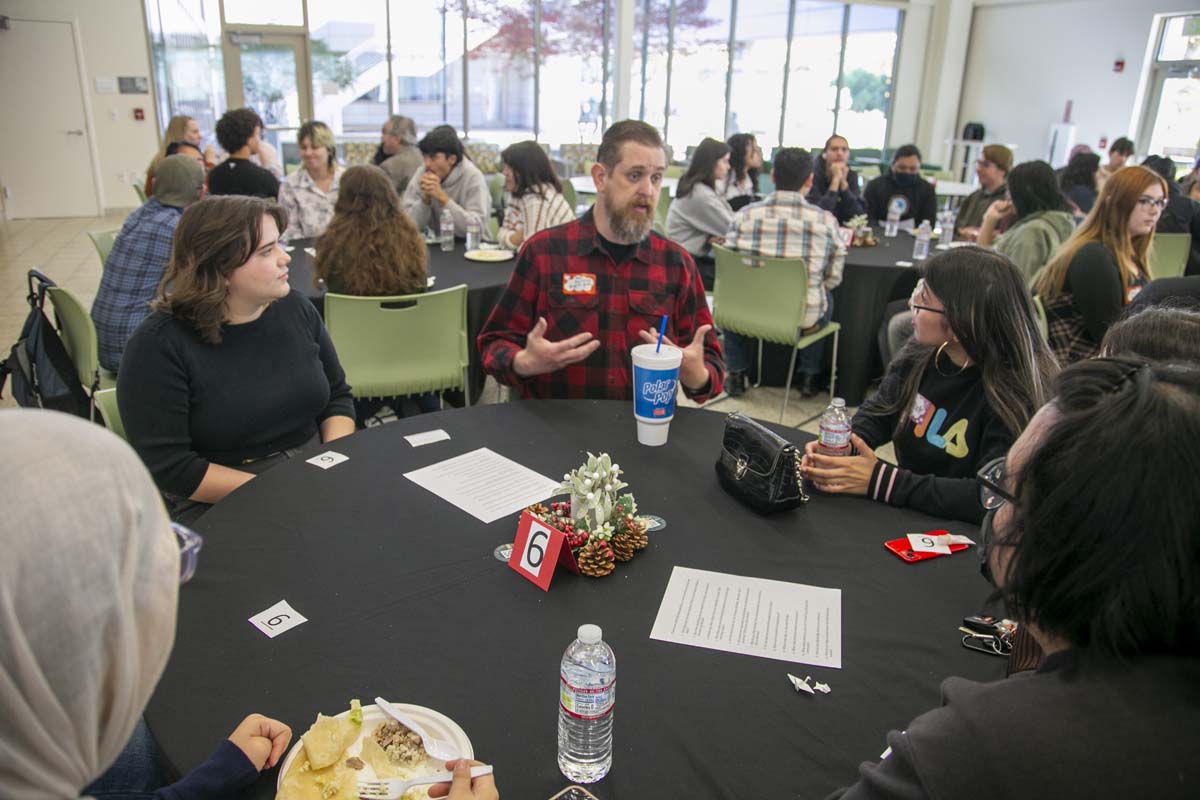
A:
(1103, 265)
(958, 394)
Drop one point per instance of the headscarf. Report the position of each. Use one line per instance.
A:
(89, 581)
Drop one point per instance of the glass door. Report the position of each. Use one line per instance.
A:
(269, 73)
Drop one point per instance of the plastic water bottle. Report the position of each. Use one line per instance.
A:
(834, 436)
(892, 227)
(949, 221)
(587, 693)
(921, 245)
(447, 230)
(473, 234)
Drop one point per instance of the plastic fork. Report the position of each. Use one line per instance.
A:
(440, 749)
(394, 788)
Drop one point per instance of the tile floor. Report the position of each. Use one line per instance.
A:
(61, 249)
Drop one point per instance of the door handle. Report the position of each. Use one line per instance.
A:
(73, 133)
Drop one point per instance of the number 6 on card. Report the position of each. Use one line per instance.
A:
(538, 550)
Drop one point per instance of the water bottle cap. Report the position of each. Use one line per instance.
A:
(590, 634)
(838, 402)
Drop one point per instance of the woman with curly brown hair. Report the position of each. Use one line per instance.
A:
(233, 371)
(371, 247)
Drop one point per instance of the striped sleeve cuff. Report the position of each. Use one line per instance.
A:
(883, 482)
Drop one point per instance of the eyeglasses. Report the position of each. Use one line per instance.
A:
(990, 478)
(918, 290)
(983, 162)
(1146, 201)
(190, 543)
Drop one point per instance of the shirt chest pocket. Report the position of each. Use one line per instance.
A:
(646, 309)
(570, 314)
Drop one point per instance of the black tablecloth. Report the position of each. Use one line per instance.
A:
(871, 279)
(405, 600)
(485, 283)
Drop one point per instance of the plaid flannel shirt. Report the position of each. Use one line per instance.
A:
(131, 275)
(785, 225)
(659, 278)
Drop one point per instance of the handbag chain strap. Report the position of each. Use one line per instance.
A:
(799, 480)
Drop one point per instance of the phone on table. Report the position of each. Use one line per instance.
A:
(574, 793)
(903, 550)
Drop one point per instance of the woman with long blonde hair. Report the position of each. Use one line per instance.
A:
(181, 128)
(1103, 265)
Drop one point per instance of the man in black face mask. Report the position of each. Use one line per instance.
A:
(903, 187)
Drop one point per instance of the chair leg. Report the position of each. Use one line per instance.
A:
(441, 400)
(759, 383)
(833, 367)
(466, 389)
(788, 387)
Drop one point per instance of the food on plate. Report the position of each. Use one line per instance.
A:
(402, 746)
(378, 760)
(329, 737)
(354, 763)
(302, 782)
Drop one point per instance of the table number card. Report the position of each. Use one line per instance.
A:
(538, 550)
(277, 619)
(327, 459)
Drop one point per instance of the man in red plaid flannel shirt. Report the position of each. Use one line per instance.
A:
(583, 294)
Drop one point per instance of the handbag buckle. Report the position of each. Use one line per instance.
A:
(740, 469)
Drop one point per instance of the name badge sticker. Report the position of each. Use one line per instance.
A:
(579, 283)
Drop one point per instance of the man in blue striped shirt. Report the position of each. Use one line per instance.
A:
(785, 225)
(140, 254)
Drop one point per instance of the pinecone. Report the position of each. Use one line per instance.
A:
(595, 558)
(539, 511)
(622, 547)
(636, 531)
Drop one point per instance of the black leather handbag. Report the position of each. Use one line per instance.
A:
(759, 467)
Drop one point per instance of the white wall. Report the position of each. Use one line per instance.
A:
(1025, 60)
(113, 36)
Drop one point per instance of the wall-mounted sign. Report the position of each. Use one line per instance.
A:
(134, 85)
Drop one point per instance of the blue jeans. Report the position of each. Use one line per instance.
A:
(808, 360)
(136, 774)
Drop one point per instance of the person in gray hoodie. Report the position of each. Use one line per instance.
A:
(699, 216)
(1038, 216)
(448, 180)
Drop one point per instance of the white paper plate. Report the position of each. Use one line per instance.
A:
(489, 255)
(435, 724)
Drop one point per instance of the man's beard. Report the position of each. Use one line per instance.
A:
(627, 225)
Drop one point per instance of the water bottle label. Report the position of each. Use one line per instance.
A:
(835, 436)
(586, 703)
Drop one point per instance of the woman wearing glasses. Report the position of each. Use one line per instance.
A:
(1104, 579)
(1103, 265)
(958, 394)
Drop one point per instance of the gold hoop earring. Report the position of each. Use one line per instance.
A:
(937, 356)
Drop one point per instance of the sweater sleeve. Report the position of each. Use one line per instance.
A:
(225, 774)
(476, 204)
(1028, 247)
(927, 209)
(949, 498)
(711, 213)
(514, 218)
(154, 395)
(874, 200)
(504, 333)
(870, 422)
(1095, 285)
(893, 777)
(341, 400)
(850, 204)
(414, 206)
(691, 313)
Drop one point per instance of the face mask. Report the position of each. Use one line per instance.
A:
(905, 179)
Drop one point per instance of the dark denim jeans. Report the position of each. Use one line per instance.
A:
(136, 774)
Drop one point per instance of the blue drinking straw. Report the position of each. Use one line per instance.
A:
(662, 328)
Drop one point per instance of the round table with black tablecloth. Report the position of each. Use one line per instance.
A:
(485, 283)
(870, 281)
(405, 600)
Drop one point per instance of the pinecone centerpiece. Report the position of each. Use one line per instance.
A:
(596, 558)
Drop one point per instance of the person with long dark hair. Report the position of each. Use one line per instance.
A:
(699, 216)
(233, 372)
(1079, 181)
(533, 194)
(959, 393)
(835, 186)
(1100, 269)
(1102, 574)
(1037, 215)
(740, 186)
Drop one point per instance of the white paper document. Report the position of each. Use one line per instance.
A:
(752, 616)
(428, 437)
(485, 484)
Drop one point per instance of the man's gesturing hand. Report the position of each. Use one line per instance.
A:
(542, 355)
(692, 372)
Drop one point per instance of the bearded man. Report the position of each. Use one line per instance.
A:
(582, 295)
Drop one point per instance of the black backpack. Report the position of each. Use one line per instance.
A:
(43, 374)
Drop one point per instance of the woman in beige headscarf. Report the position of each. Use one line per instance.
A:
(89, 582)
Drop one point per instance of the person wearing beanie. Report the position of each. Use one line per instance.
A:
(992, 169)
(139, 256)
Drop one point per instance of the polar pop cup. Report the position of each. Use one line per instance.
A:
(655, 379)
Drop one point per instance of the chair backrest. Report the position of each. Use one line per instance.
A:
(1169, 254)
(867, 172)
(103, 242)
(493, 229)
(78, 334)
(1043, 324)
(403, 344)
(660, 213)
(141, 191)
(569, 194)
(496, 187)
(106, 401)
(674, 171)
(764, 298)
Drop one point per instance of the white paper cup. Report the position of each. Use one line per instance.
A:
(655, 379)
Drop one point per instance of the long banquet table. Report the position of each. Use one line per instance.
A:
(404, 599)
